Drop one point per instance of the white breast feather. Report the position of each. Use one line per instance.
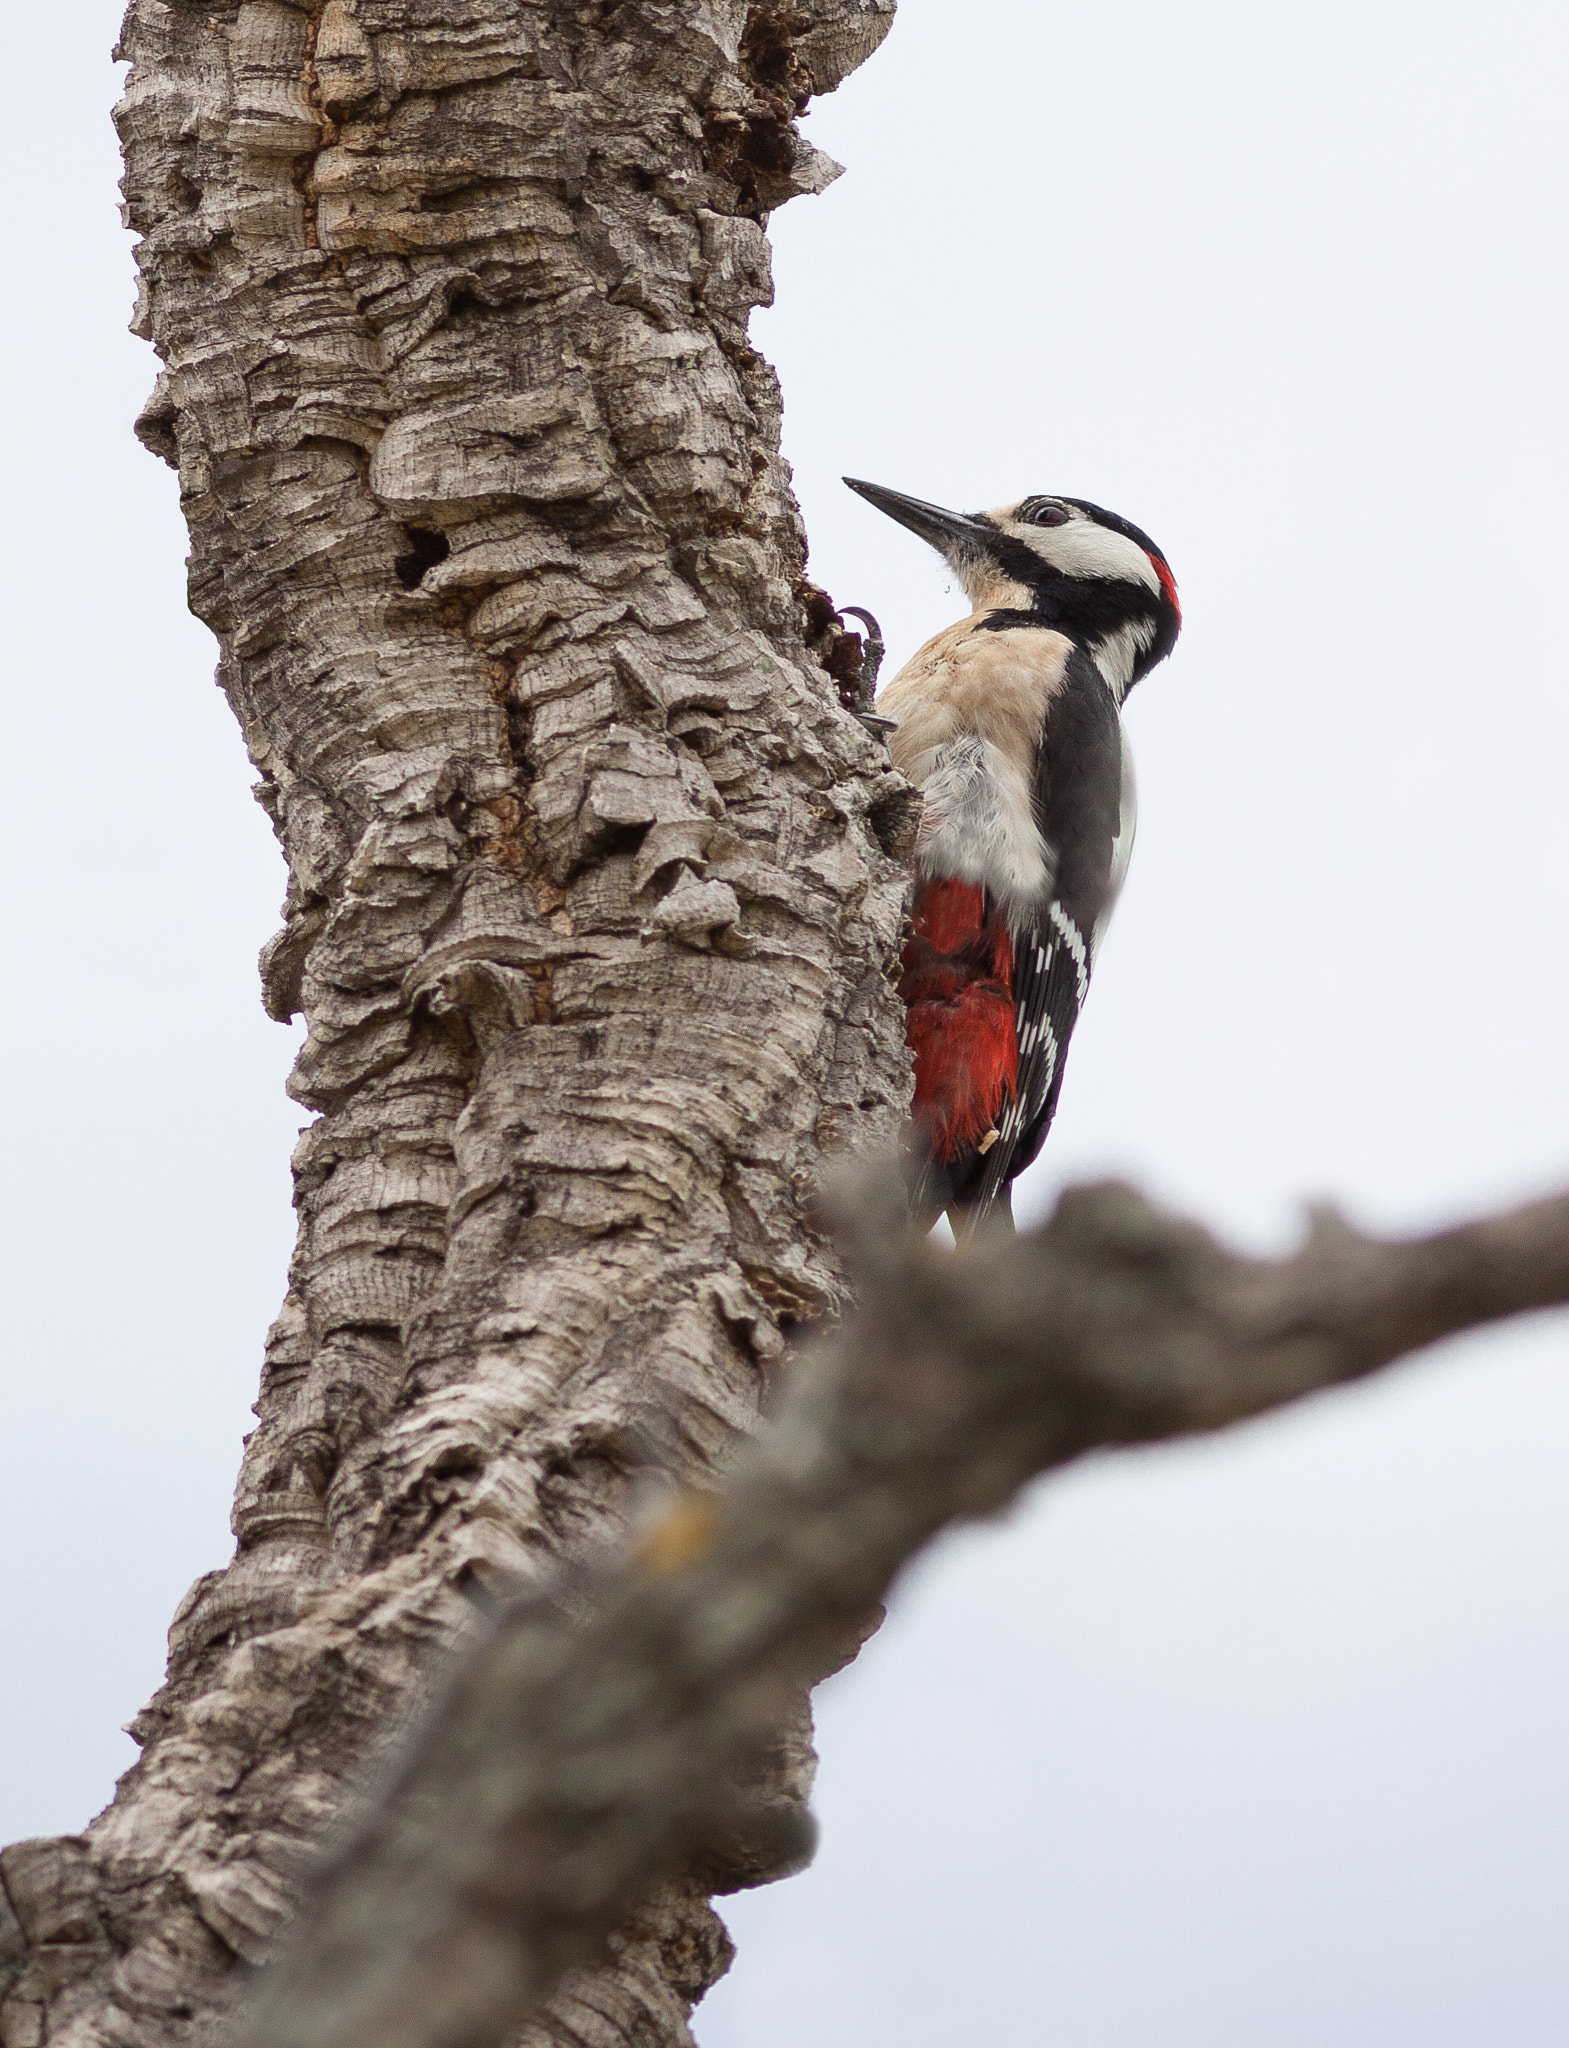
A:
(971, 706)
(978, 825)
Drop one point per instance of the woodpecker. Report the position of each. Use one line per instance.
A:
(1010, 724)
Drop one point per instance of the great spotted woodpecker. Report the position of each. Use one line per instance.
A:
(1010, 725)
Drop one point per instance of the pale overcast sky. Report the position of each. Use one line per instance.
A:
(1256, 1744)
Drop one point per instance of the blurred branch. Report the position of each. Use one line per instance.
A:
(576, 1759)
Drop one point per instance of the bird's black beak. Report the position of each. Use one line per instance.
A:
(944, 530)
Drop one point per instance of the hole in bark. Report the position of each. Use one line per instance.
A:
(460, 197)
(747, 149)
(517, 729)
(893, 818)
(768, 57)
(332, 444)
(458, 1461)
(426, 549)
(463, 302)
(616, 839)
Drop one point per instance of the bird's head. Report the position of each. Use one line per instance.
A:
(1058, 562)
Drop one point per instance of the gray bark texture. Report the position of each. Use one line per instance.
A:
(591, 1743)
(594, 887)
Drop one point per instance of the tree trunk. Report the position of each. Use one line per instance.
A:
(593, 881)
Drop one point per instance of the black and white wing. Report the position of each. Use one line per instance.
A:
(1084, 806)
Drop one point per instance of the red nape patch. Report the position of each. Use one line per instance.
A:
(957, 987)
(1168, 582)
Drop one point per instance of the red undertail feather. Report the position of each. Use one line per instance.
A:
(957, 987)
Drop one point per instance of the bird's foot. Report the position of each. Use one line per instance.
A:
(871, 662)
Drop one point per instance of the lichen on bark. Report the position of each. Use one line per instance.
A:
(594, 883)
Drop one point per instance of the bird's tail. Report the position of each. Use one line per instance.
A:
(996, 1212)
(954, 1188)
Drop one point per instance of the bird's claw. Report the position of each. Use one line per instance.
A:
(871, 662)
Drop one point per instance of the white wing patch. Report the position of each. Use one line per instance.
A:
(1121, 847)
(1073, 939)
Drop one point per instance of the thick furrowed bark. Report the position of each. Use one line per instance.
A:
(592, 887)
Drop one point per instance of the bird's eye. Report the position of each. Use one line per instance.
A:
(1044, 513)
